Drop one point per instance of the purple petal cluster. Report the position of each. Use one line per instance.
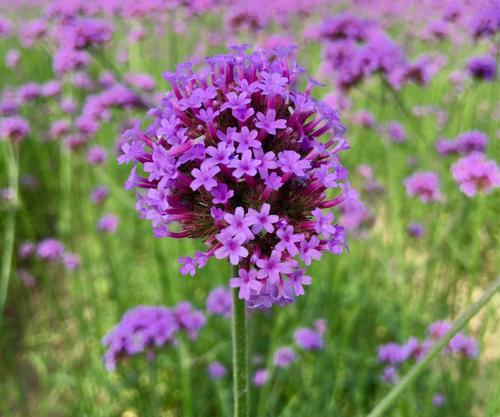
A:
(425, 186)
(49, 250)
(146, 329)
(220, 302)
(394, 354)
(216, 370)
(14, 128)
(309, 339)
(234, 157)
(482, 67)
(475, 173)
(464, 144)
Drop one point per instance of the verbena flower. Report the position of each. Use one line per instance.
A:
(50, 249)
(394, 354)
(475, 173)
(308, 339)
(425, 186)
(438, 400)
(14, 128)
(71, 261)
(486, 22)
(146, 329)
(97, 155)
(108, 223)
(220, 302)
(233, 156)
(396, 132)
(482, 67)
(465, 143)
(216, 370)
(284, 357)
(99, 194)
(261, 377)
(416, 230)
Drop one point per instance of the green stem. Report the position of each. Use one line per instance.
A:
(187, 398)
(10, 227)
(464, 318)
(240, 357)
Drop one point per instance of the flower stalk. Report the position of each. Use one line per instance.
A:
(240, 356)
(11, 159)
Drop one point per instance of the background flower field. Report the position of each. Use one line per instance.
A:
(410, 262)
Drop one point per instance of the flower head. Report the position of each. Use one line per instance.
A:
(425, 186)
(236, 156)
(308, 339)
(146, 329)
(482, 67)
(284, 357)
(475, 173)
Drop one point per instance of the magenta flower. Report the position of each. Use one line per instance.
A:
(284, 357)
(464, 345)
(288, 240)
(269, 123)
(204, 177)
(233, 156)
(147, 329)
(245, 166)
(239, 223)
(262, 220)
(97, 155)
(50, 249)
(216, 371)
(219, 302)
(247, 282)
(14, 128)
(232, 247)
(308, 339)
(246, 139)
(291, 163)
(438, 329)
(108, 223)
(271, 268)
(260, 377)
(475, 173)
(482, 68)
(425, 186)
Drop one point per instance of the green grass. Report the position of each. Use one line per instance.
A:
(388, 287)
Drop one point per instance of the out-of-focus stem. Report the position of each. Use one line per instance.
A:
(172, 41)
(240, 357)
(9, 233)
(65, 184)
(415, 371)
(187, 398)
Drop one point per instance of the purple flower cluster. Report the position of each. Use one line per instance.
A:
(145, 329)
(49, 250)
(14, 128)
(220, 302)
(233, 156)
(355, 49)
(216, 370)
(482, 67)
(425, 186)
(394, 354)
(309, 339)
(474, 173)
(108, 223)
(464, 144)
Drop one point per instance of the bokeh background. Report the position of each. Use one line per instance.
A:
(410, 263)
